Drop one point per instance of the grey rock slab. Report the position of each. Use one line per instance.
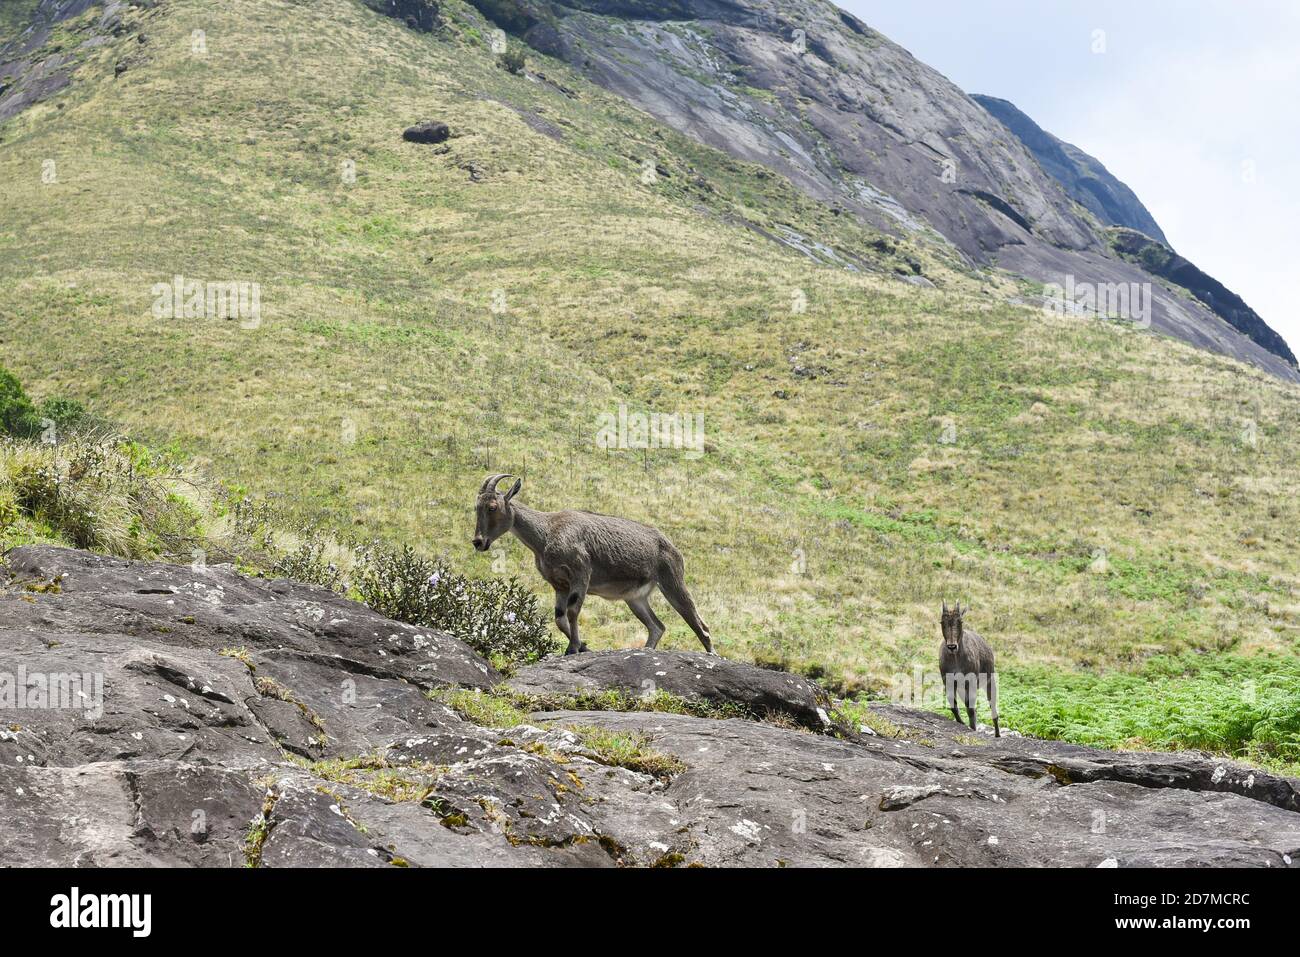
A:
(690, 675)
(754, 794)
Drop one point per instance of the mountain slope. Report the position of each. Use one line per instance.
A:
(870, 445)
(1085, 179)
(857, 122)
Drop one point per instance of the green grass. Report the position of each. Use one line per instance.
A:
(375, 774)
(491, 709)
(1247, 708)
(951, 444)
(500, 708)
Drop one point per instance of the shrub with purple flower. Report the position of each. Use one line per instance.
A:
(497, 617)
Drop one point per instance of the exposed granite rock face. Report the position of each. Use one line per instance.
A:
(686, 674)
(757, 795)
(1136, 237)
(29, 72)
(315, 745)
(1085, 179)
(839, 110)
(422, 15)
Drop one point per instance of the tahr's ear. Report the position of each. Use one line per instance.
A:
(514, 488)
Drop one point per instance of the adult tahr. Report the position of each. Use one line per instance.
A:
(966, 663)
(581, 553)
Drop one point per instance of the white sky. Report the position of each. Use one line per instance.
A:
(1189, 97)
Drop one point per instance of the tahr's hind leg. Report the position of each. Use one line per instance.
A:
(645, 614)
(674, 590)
(562, 621)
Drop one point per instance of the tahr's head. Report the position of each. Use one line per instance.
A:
(950, 623)
(493, 514)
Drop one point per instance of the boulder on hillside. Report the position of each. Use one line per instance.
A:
(421, 15)
(430, 131)
(691, 675)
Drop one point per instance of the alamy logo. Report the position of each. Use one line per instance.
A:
(24, 690)
(73, 910)
(653, 430)
(191, 299)
(1130, 301)
(925, 688)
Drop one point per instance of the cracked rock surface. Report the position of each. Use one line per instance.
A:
(238, 721)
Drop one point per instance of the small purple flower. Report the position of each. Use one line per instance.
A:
(435, 578)
(510, 617)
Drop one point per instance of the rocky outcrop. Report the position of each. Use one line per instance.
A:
(32, 70)
(690, 675)
(183, 716)
(422, 15)
(1084, 178)
(758, 795)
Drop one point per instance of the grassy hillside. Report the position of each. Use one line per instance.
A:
(1097, 495)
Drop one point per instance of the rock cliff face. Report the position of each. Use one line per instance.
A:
(1085, 179)
(166, 715)
(29, 70)
(1135, 235)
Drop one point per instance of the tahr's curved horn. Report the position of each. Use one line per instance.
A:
(490, 483)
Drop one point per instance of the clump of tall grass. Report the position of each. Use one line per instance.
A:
(94, 491)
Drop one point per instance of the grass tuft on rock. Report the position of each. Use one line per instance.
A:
(631, 750)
